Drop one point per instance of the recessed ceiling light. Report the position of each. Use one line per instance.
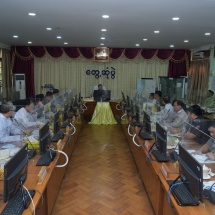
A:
(137, 44)
(29, 42)
(171, 46)
(32, 14)
(207, 34)
(103, 29)
(102, 38)
(145, 39)
(102, 44)
(48, 29)
(186, 41)
(65, 43)
(105, 16)
(59, 37)
(156, 32)
(15, 36)
(175, 18)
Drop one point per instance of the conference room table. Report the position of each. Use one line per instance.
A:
(101, 113)
(47, 191)
(155, 180)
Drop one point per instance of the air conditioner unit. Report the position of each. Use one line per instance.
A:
(19, 84)
(197, 56)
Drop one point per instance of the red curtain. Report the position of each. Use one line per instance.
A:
(23, 58)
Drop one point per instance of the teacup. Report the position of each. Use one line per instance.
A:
(206, 171)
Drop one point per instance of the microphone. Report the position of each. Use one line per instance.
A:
(32, 152)
(33, 118)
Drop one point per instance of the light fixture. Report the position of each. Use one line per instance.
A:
(102, 38)
(59, 37)
(103, 29)
(137, 44)
(175, 18)
(102, 44)
(186, 41)
(48, 29)
(156, 32)
(105, 16)
(15, 36)
(145, 39)
(32, 14)
(171, 46)
(29, 42)
(207, 34)
(65, 43)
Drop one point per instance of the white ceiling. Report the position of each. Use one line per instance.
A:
(79, 22)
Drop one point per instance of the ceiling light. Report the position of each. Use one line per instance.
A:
(207, 34)
(59, 37)
(29, 42)
(32, 14)
(105, 16)
(15, 36)
(186, 41)
(137, 44)
(171, 46)
(48, 29)
(156, 32)
(102, 38)
(175, 18)
(103, 29)
(145, 39)
(102, 44)
(65, 43)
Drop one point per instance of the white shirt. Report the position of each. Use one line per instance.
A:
(25, 118)
(8, 132)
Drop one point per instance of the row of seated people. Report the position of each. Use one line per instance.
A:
(188, 122)
(31, 114)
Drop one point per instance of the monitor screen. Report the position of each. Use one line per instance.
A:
(102, 95)
(15, 173)
(146, 122)
(191, 172)
(44, 137)
(56, 122)
(161, 139)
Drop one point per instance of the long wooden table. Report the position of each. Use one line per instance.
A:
(156, 184)
(46, 193)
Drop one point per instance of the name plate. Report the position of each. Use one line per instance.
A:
(59, 144)
(147, 145)
(42, 175)
(165, 170)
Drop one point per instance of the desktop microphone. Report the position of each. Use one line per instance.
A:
(33, 118)
(32, 152)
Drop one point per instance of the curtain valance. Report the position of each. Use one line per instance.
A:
(28, 52)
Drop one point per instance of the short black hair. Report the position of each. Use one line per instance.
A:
(49, 93)
(158, 93)
(212, 124)
(100, 85)
(196, 109)
(27, 102)
(211, 92)
(166, 99)
(55, 91)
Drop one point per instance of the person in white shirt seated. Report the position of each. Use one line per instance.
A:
(177, 118)
(168, 108)
(8, 131)
(25, 116)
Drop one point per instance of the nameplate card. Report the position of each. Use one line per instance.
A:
(59, 144)
(165, 170)
(147, 145)
(42, 175)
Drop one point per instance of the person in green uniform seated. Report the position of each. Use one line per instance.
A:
(209, 102)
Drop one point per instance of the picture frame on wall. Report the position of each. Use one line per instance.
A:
(101, 54)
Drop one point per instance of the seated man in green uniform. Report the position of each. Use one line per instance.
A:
(209, 102)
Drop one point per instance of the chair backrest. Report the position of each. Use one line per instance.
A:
(96, 87)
